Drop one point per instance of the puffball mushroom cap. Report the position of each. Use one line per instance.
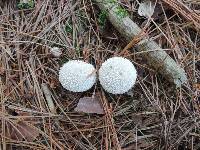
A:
(77, 76)
(117, 75)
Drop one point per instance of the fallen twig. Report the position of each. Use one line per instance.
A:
(49, 100)
(158, 58)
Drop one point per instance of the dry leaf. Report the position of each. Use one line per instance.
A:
(146, 9)
(197, 86)
(21, 131)
(89, 105)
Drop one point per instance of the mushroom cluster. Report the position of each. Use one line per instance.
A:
(117, 75)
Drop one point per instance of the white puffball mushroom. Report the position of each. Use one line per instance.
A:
(56, 52)
(117, 75)
(77, 76)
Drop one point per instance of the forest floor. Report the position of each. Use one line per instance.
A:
(36, 112)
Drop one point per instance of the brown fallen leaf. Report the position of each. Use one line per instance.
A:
(90, 105)
(21, 131)
(196, 86)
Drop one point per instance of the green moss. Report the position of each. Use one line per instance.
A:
(68, 28)
(78, 51)
(111, 1)
(121, 12)
(102, 18)
(30, 4)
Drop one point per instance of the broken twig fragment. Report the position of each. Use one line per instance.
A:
(48, 97)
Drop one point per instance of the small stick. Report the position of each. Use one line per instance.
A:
(48, 97)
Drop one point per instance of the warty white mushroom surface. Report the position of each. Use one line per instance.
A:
(117, 75)
(77, 76)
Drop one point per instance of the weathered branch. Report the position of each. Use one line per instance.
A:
(155, 56)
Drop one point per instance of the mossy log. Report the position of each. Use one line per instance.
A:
(155, 56)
